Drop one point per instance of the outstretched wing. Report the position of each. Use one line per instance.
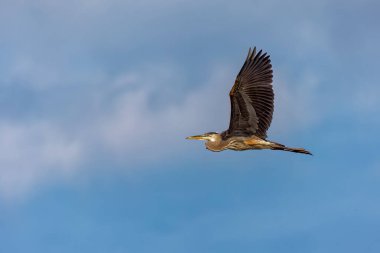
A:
(252, 97)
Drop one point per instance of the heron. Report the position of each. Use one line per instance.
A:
(252, 106)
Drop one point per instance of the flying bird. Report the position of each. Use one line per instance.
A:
(252, 107)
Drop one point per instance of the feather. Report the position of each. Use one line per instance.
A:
(252, 97)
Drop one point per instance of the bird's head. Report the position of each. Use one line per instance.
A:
(211, 136)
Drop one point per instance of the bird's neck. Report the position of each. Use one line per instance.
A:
(217, 145)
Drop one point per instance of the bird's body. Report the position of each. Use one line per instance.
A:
(251, 110)
(237, 143)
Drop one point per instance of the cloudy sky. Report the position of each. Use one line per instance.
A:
(97, 97)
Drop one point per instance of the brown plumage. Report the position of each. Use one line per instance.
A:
(252, 107)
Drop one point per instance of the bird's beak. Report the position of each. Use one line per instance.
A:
(197, 137)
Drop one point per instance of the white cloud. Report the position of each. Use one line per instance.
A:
(122, 123)
(32, 152)
(134, 124)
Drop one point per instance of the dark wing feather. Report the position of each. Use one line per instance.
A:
(252, 97)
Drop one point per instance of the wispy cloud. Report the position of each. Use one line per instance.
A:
(33, 152)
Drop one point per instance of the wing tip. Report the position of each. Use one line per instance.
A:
(254, 55)
(249, 54)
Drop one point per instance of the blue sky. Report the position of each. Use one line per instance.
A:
(98, 96)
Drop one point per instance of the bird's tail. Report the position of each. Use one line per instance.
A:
(278, 146)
